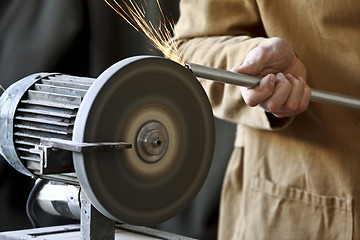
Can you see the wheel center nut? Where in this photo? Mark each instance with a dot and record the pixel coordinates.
(152, 141)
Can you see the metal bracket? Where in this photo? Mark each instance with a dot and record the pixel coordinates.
(83, 147)
(53, 160)
(56, 154)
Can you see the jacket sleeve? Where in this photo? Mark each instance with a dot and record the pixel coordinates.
(220, 33)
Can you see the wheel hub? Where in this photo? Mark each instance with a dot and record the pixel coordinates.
(152, 142)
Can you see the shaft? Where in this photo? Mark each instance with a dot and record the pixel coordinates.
(244, 80)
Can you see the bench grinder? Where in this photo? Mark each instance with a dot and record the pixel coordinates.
(138, 140)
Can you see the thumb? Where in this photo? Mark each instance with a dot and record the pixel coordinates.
(253, 64)
(248, 67)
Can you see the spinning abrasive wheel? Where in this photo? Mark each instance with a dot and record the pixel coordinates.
(162, 110)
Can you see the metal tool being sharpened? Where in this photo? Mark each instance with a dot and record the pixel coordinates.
(251, 81)
(138, 140)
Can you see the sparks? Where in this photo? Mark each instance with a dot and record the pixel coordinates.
(2, 88)
(160, 36)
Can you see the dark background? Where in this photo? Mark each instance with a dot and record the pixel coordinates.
(83, 38)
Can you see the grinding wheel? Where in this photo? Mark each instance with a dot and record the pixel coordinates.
(161, 109)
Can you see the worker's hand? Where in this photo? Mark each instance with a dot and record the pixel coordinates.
(282, 90)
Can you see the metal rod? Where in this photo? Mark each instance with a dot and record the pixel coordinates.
(224, 76)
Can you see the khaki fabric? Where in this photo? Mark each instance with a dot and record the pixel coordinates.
(292, 178)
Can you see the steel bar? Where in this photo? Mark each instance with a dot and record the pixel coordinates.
(244, 80)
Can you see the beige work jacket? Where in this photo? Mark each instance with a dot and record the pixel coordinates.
(292, 178)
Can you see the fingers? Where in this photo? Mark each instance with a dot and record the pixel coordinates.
(259, 94)
(300, 95)
(296, 101)
(275, 103)
(281, 95)
(278, 94)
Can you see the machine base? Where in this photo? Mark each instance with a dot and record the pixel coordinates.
(72, 232)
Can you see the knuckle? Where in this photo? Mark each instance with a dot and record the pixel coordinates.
(284, 83)
(297, 83)
(273, 106)
(281, 115)
(265, 51)
(251, 102)
(302, 107)
(267, 91)
(307, 92)
(292, 106)
(277, 39)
